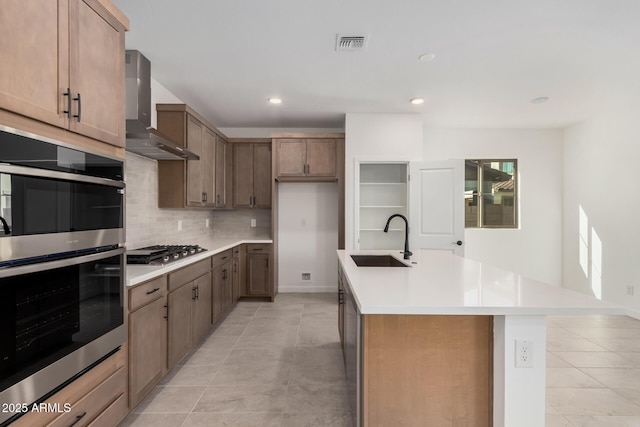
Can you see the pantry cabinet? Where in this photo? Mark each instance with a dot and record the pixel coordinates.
(252, 175)
(69, 73)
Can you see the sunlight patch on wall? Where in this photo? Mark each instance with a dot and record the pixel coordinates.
(596, 264)
(583, 241)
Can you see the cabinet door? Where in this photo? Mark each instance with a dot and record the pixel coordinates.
(147, 349)
(216, 297)
(227, 287)
(242, 175)
(262, 175)
(96, 70)
(235, 280)
(258, 275)
(195, 193)
(221, 176)
(179, 324)
(341, 309)
(291, 154)
(322, 157)
(208, 167)
(35, 71)
(202, 314)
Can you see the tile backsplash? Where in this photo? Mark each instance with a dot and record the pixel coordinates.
(149, 225)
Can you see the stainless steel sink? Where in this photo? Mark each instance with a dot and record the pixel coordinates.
(376, 261)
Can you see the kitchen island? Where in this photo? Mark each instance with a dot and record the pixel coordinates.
(434, 343)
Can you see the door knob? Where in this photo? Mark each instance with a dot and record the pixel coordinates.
(459, 243)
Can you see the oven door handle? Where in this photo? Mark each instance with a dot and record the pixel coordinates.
(66, 176)
(49, 265)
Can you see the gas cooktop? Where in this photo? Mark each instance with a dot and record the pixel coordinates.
(162, 254)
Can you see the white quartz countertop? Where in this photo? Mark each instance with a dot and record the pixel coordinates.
(137, 273)
(443, 283)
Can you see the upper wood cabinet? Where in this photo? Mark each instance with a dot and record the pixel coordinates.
(70, 72)
(315, 158)
(191, 183)
(251, 175)
(221, 174)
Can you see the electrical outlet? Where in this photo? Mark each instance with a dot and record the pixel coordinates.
(253, 222)
(306, 276)
(206, 223)
(630, 290)
(179, 225)
(524, 353)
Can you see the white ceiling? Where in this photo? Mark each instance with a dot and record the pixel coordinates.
(226, 57)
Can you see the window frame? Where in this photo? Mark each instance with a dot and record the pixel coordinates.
(480, 194)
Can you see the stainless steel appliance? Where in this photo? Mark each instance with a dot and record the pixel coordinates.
(161, 254)
(141, 137)
(62, 265)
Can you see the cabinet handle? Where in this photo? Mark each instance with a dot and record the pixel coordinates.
(250, 200)
(166, 313)
(218, 199)
(152, 291)
(224, 274)
(78, 418)
(256, 249)
(197, 293)
(193, 293)
(224, 257)
(68, 95)
(235, 267)
(77, 116)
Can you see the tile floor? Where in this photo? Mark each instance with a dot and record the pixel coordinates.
(266, 364)
(593, 371)
(280, 364)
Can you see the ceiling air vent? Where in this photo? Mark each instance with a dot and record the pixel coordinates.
(351, 43)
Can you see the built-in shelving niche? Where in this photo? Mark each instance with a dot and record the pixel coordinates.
(382, 190)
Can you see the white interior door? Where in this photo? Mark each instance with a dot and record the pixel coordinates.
(436, 194)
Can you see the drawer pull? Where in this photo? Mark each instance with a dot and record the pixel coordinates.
(256, 249)
(78, 418)
(224, 257)
(152, 291)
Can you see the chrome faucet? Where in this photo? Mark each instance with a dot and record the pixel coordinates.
(407, 253)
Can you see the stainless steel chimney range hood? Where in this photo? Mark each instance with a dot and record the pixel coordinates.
(141, 137)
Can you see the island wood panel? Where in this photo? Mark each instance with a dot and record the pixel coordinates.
(427, 370)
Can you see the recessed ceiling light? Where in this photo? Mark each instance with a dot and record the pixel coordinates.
(417, 101)
(427, 57)
(275, 100)
(540, 100)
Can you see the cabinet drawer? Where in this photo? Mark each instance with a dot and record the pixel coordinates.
(95, 402)
(188, 274)
(237, 251)
(258, 248)
(147, 292)
(113, 414)
(218, 259)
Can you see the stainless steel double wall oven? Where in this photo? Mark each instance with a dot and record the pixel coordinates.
(62, 264)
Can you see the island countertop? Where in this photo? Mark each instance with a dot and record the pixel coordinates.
(439, 282)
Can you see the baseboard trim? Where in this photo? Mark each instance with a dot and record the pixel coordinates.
(633, 313)
(284, 289)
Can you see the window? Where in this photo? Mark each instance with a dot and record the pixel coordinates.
(491, 193)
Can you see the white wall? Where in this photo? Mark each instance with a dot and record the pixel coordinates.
(377, 137)
(602, 177)
(535, 249)
(160, 95)
(307, 236)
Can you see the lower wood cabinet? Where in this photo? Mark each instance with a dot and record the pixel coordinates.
(258, 271)
(147, 348)
(201, 313)
(97, 398)
(178, 324)
(237, 271)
